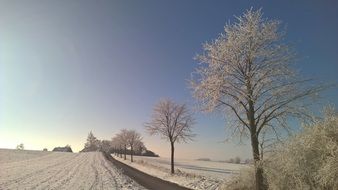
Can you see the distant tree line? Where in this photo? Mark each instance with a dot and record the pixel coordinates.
(66, 148)
(126, 142)
(236, 160)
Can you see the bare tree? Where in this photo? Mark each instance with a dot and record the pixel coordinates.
(246, 73)
(133, 139)
(123, 140)
(172, 122)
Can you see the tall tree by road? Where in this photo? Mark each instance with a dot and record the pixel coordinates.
(247, 74)
(133, 140)
(172, 122)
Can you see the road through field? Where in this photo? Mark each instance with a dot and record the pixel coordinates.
(151, 182)
(62, 171)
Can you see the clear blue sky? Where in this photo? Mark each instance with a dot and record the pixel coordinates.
(68, 67)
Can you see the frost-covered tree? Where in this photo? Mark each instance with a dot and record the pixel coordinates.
(117, 144)
(127, 139)
(20, 146)
(246, 73)
(308, 160)
(172, 122)
(140, 148)
(133, 140)
(106, 146)
(123, 140)
(92, 144)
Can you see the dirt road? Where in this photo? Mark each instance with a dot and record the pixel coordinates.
(144, 179)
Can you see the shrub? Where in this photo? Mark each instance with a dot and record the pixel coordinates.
(237, 160)
(244, 181)
(307, 160)
(20, 146)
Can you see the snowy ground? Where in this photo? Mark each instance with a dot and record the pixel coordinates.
(189, 173)
(56, 170)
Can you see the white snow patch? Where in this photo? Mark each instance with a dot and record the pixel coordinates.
(60, 170)
(193, 174)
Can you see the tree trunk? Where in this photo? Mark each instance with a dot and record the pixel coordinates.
(259, 178)
(172, 157)
(125, 153)
(120, 152)
(131, 153)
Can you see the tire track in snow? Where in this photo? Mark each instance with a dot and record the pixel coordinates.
(103, 162)
(96, 180)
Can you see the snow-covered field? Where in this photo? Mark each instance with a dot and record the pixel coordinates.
(189, 173)
(56, 170)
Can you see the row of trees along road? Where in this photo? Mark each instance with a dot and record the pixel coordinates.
(170, 120)
(127, 139)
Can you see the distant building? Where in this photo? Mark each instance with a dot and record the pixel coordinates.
(62, 149)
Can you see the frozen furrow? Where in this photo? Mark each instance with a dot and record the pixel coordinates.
(63, 171)
(26, 172)
(108, 169)
(96, 172)
(61, 174)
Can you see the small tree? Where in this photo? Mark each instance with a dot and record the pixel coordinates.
(20, 146)
(106, 146)
(133, 139)
(248, 76)
(92, 143)
(140, 148)
(231, 160)
(172, 122)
